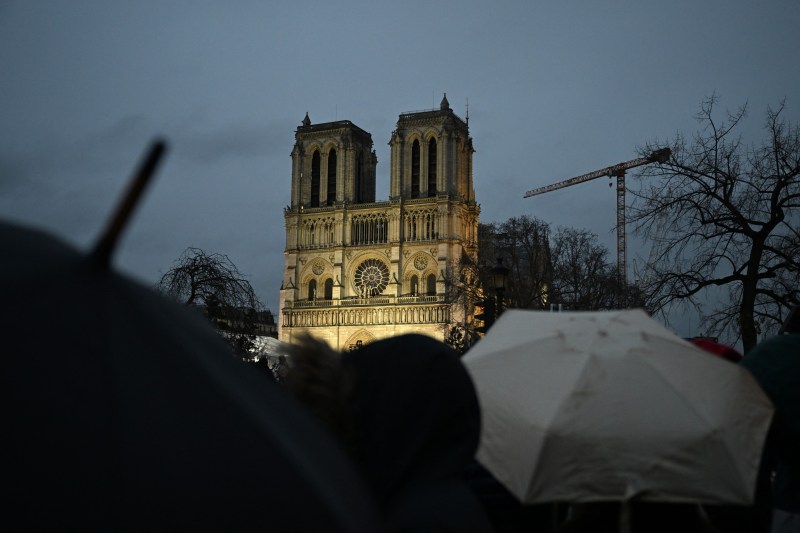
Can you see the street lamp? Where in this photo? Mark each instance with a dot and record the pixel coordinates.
(499, 278)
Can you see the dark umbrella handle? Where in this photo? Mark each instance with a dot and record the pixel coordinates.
(101, 254)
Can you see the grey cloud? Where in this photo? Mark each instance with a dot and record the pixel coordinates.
(236, 141)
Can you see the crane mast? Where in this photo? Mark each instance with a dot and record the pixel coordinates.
(614, 171)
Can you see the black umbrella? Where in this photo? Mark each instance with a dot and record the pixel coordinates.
(129, 412)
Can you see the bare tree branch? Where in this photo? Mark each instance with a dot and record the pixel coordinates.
(720, 213)
(213, 284)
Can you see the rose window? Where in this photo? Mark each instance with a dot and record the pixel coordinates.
(371, 278)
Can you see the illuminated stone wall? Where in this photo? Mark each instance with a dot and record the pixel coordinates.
(357, 270)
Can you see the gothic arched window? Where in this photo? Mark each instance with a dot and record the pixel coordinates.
(329, 289)
(369, 229)
(432, 167)
(414, 285)
(315, 164)
(415, 169)
(431, 282)
(331, 176)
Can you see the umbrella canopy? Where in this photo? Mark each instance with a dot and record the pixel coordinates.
(775, 363)
(128, 412)
(594, 406)
(717, 348)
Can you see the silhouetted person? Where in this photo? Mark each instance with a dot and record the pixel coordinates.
(506, 513)
(594, 517)
(662, 517)
(406, 409)
(775, 363)
(416, 427)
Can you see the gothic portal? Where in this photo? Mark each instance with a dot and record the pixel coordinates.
(358, 270)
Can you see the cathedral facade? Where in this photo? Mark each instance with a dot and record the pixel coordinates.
(357, 269)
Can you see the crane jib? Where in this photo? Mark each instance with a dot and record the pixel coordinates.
(614, 171)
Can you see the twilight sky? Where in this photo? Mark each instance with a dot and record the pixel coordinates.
(555, 89)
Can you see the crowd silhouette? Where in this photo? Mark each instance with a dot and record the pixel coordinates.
(142, 418)
(406, 411)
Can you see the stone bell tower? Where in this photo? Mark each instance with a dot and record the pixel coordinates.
(332, 163)
(431, 155)
(357, 270)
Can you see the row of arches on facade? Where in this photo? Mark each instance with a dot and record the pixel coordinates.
(370, 228)
(416, 286)
(416, 190)
(327, 290)
(355, 317)
(419, 188)
(331, 177)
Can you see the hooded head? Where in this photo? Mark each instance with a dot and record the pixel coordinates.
(415, 412)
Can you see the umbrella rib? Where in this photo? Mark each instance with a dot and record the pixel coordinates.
(698, 414)
(556, 412)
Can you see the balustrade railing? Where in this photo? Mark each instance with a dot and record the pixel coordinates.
(312, 303)
(373, 300)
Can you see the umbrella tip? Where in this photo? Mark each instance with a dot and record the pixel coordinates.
(104, 248)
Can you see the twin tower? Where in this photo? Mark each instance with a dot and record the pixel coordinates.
(357, 270)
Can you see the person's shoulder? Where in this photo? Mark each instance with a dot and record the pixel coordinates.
(787, 343)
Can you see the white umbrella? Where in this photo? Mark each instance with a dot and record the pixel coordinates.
(598, 406)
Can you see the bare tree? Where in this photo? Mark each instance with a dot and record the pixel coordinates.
(723, 214)
(459, 337)
(570, 268)
(464, 288)
(523, 244)
(213, 284)
(583, 278)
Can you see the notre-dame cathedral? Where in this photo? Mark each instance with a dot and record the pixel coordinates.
(357, 269)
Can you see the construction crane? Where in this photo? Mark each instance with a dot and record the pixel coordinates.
(614, 171)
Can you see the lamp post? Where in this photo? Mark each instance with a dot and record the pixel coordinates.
(499, 278)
